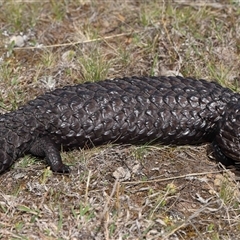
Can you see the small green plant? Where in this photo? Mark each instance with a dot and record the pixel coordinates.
(140, 152)
(10, 48)
(21, 16)
(154, 64)
(210, 227)
(219, 73)
(226, 191)
(58, 9)
(47, 173)
(124, 55)
(94, 66)
(28, 210)
(6, 71)
(112, 228)
(48, 58)
(60, 218)
(84, 211)
(19, 226)
(25, 162)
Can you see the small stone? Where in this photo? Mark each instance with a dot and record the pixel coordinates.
(136, 168)
(217, 182)
(18, 41)
(122, 174)
(168, 72)
(19, 176)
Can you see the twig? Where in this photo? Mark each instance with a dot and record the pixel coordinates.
(78, 42)
(87, 187)
(106, 207)
(176, 177)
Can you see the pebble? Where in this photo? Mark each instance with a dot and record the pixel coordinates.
(122, 174)
(19, 41)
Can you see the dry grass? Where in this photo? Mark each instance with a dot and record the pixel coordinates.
(118, 192)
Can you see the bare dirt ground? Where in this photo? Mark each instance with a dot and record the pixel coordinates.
(118, 192)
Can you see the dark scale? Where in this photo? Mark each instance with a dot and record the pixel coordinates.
(168, 110)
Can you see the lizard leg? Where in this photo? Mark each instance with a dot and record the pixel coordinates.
(220, 156)
(44, 147)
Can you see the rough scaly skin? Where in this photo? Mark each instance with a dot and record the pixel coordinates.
(169, 110)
